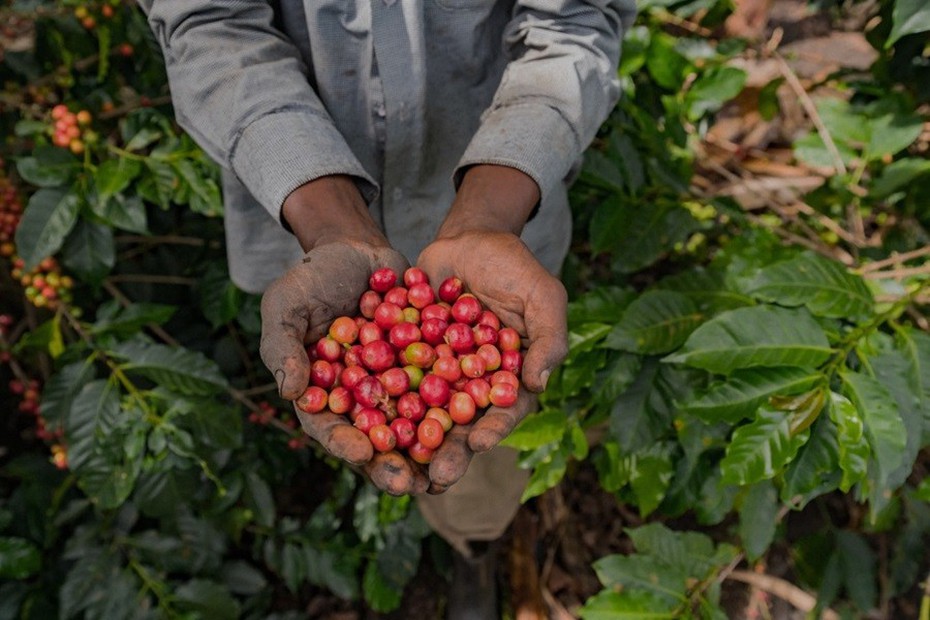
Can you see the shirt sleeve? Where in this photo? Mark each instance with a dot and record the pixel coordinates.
(240, 88)
(559, 86)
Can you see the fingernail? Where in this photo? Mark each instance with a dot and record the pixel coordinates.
(279, 376)
(544, 378)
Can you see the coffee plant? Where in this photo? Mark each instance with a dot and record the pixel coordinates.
(732, 372)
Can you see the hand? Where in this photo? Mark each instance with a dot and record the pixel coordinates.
(344, 246)
(499, 269)
(296, 310)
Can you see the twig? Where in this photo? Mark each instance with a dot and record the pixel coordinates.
(151, 278)
(671, 18)
(125, 301)
(895, 259)
(898, 274)
(784, 590)
(811, 109)
(159, 239)
(129, 107)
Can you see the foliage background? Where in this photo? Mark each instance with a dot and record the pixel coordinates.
(751, 384)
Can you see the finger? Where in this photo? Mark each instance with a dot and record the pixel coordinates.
(497, 422)
(547, 333)
(340, 438)
(284, 325)
(396, 475)
(450, 461)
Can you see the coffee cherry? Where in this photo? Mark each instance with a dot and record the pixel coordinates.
(442, 416)
(411, 406)
(430, 433)
(415, 275)
(382, 280)
(397, 296)
(377, 356)
(451, 289)
(462, 407)
(382, 438)
(420, 453)
(367, 418)
(508, 339)
(387, 315)
(369, 392)
(396, 382)
(460, 337)
(313, 400)
(434, 391)
(420, 295)
(466, 309)
(343, 330)
(340, 400)
(503, 395)
(323, 374)
(368, 303)
(405, 432)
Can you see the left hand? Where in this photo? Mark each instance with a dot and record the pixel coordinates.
(500, 270)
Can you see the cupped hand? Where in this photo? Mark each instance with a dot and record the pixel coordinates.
(500, 270)
(296, 310)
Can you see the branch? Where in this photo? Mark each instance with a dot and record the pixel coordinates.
(785, 590)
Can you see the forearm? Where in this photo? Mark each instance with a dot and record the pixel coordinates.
(330, 209)
(491, 198)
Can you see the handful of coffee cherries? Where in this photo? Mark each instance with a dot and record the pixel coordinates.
(410, 366)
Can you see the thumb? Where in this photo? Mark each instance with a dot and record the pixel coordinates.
(547, 334)
(282, 344)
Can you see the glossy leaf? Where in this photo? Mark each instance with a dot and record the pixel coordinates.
(634, 422)
(650, 476)
(853, 448)
(208, 598)
(19, 558)
(48, 166)
(755, 336)
(757, 523)
(608, 605)
(909, 17)
(657, 322)
(46, 222)
(825, 287)
(90, 251)
(884, 429)
(181, 370)
(537, 429)
(94, 412)
(643, 572)
(741, 394)
(114, 175)
(814, 471)
(761, 449)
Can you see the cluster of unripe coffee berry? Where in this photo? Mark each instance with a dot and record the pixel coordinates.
(11, 210)
(71, 130)
(45, 286)
(410, 366)
(89, 12)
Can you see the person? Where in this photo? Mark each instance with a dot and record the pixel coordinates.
(356, 135)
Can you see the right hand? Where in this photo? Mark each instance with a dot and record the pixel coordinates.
(297, 310)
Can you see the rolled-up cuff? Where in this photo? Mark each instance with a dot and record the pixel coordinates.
(281, 151)
(532, 137)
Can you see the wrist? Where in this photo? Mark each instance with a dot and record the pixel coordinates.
(330, 209)
(491, 198)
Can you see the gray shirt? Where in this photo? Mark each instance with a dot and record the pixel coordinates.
(401, 94)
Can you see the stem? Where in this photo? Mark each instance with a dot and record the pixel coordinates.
(154, 586)
(853, 338)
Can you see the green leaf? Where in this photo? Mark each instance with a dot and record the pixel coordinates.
(220, 299)
(634, 421)
(19, 558)
(755, 336)
(740, 395)
(61, 390)
(159, 493)
(546, 475)
(180, 370)
(47, 167)
(692, 552)
(898, 175)
(90, 251)
(209, 599)
(604, 304)
(107, 482)
(915, 347)
(634, 605)
(666, 65)
(124, 322)
(94, 412)
(909, 17)
(651, 475)
(761, 449)
(585, 337)
(756, 519)
(616, 377)
(712, 89)
(46, 222)
(657, 322)
(259, 499)
(667, 583)
(114, 175)
(851, 442)
(635, 238)
(126, 213)
(537, 430)
(884, 430)
(380, 595)
(923, 490)
(857, 561)
(824, 286)
(814, 471)
(243, 578)
(892, 133)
